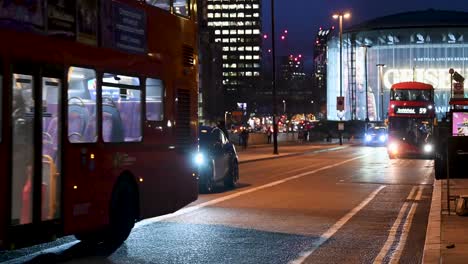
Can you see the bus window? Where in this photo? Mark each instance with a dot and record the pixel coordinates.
(121, 108)
(51, 127)
(154, 100)
(22, 149)
(181, 7)
(163, 4)
(82, 105)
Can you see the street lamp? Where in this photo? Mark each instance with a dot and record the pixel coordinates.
(340, 16)
(381, 66)
(273, 55)
(284, 106)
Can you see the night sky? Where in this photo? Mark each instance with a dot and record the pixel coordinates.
(302, 18)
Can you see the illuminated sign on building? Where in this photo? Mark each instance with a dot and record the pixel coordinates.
(439, 78)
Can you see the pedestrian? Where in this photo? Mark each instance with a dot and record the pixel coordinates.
(306, 134)
(269, 132)
(245, 138)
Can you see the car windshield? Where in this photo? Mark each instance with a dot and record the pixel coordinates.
(380, 130)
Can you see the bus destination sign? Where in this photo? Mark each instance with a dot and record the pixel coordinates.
(405, 110)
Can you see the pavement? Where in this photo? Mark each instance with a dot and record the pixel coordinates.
(447, 232)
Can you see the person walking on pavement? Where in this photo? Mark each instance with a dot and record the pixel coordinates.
(269, 135)
(245, 138)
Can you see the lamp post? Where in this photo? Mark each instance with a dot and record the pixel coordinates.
(340, 16)
(284, 106)
(273, 55)
(381, 66)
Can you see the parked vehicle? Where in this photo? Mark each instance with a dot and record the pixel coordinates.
(217, 160)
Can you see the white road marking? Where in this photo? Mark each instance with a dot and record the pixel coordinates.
(237, 194)
(395, 258)
(332, 230)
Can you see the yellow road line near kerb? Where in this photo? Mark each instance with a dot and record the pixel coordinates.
(191, 209)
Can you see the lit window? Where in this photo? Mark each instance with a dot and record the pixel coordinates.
(255, 6)
(256, 65)
(248, 48)
(225, 15)
(210, 15)
(248, 31)
(210, 7)
(121, 108)
(217, 40)
(154, 100)
(234, 65)
(256, 48)
(248, 74)
(233, 40)
(233, 32)
(256, 73)
(217, 15)
(256, 57)
(240, 49)
(256, 31)
(225, 6)
(82, 121)
(225, 40)
(232, 15)
(225, 32)
(242, 57)
(255, 15)
(181, 7)
(225, 48)
(240, 31)
(248, 57)
(217, 32)
(225, 57)
(240, 6)
(240, 23)
(240, 14)
(233, 48)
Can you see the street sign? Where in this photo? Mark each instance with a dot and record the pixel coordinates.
(340, 103)
(458, 91)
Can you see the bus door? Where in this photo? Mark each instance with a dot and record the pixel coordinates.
(36, 149)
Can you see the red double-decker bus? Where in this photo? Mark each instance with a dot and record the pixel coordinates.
(411, 115)
(98, 116)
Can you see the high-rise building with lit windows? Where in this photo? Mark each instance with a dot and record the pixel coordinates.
(236, 25)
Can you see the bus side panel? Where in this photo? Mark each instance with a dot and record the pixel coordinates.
(4, 159)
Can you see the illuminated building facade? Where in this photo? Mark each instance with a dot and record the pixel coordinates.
(236, 25)
(414, 46)
(320, 72)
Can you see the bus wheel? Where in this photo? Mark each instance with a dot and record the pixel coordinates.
(123, 212)
(233, 176)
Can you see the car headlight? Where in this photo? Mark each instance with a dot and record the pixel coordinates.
(199, 158)
(428, 148)
(393, 148)
(382, 138)
(368, 138)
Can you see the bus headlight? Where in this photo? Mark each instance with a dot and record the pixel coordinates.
(393, 148)
(199, 158)
(428, 148)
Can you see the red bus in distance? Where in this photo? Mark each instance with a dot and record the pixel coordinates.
(99, 117)
(411, 115)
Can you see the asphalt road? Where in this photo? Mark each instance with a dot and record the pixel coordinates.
(346, 206)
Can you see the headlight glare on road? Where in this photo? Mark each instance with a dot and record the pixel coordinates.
(428, 148)
(199, 159)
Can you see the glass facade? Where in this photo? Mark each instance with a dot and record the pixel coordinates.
(423, 55)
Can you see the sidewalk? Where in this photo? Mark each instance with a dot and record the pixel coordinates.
(447, 235)
(286, 149)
